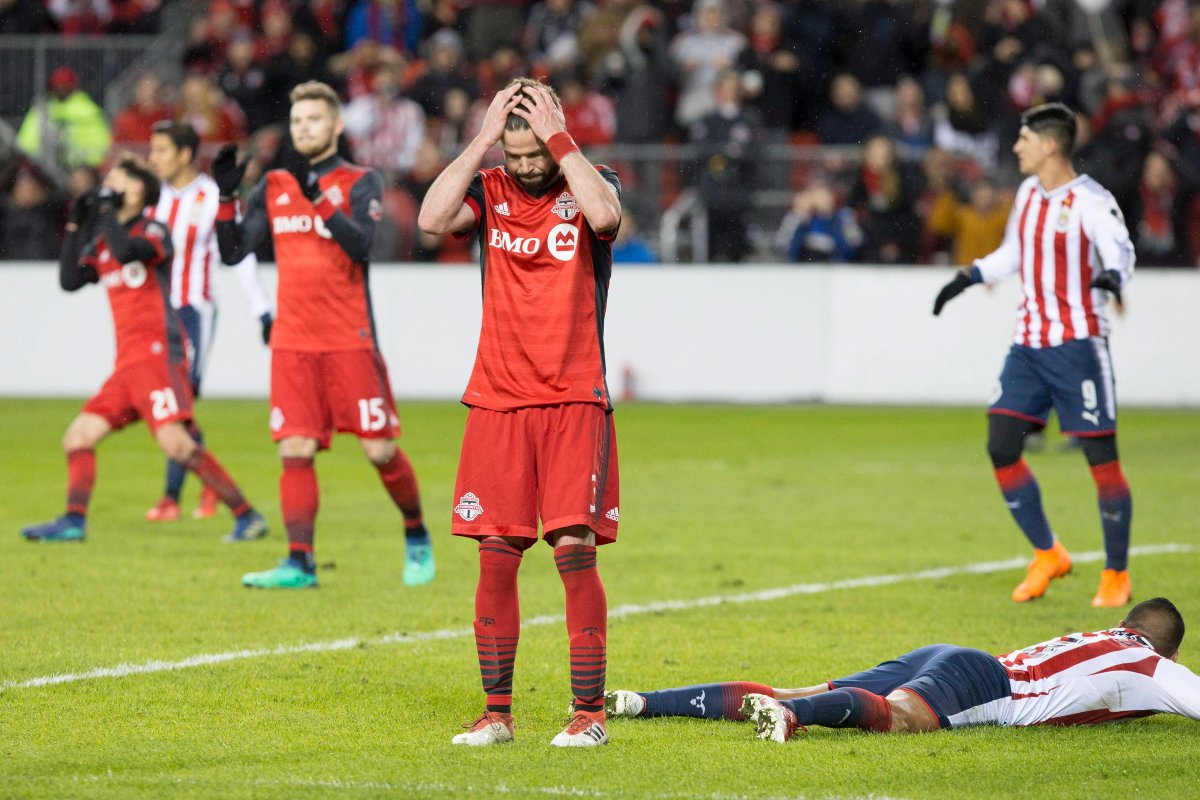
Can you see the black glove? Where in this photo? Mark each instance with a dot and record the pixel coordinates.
(227, 171)
(951, 290)
(108, 200)
(1109, 281)
(83, 207)
(266, 321)
(304, 174)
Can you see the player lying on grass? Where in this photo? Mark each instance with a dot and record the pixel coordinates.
(111, 242)
(1081, 679)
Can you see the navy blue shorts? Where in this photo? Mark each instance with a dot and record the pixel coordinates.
(950, 679)
(199, 324)
(1074, 378)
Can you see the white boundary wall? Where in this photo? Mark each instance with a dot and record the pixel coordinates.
(708, 333)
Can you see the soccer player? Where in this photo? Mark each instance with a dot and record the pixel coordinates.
(1068, 240)
(109, 241)
(327, 373)
(539, 438)
(1080, 679)
(187, 206)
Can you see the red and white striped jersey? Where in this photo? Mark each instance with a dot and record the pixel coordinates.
(1059, 241)
(190, 214)
(1089, 678)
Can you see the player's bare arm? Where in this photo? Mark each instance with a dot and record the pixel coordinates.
(443, 210)
(595, 196)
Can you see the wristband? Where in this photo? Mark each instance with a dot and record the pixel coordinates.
(561, 145)
(227, 211)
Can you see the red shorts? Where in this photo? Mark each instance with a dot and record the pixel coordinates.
(314, 394)
(558, 463)
(152, 389)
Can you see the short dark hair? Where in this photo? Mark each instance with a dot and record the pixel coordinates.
(134, 167)
(518, 123)
(1160, 621)
(181, 134)
(1054, 120)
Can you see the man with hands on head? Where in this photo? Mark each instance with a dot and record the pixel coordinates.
(539, 441)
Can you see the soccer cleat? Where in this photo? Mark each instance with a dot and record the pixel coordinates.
(67, 528)
(492, 727)
(584, 730)
(1045, 567)
(207, 505)
(247, 527)
(165, 510)
(288, 575)
(418, 564)
(772, 719)
(1114, 589)
(623, 703)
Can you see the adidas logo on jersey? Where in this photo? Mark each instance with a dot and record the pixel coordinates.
(501, 209)
(283, 199)
(613, 514)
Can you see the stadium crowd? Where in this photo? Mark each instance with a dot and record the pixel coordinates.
(914, 106)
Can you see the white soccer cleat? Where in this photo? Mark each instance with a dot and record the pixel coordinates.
(623, 703)
(583, 730)
(772, 720)
(490, 728)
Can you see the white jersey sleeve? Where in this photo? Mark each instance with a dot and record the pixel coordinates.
(256, 293)
(1178, 690)
(1104, 225)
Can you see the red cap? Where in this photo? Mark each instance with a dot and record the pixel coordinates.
(63, 78)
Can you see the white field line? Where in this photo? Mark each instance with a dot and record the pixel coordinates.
(620, 612)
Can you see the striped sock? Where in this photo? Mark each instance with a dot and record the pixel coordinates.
(497, 620)
(209, 470)
(844, 708)
(587, 624)
(81, 477)
(299, 500)
(1116, 513)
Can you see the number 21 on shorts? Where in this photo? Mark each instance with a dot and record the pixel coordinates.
(371, 414)
(163, 403)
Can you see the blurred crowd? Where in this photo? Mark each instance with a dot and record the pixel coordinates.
(911, 107)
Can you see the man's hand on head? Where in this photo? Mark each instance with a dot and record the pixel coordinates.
(545, 117)
(503, 104)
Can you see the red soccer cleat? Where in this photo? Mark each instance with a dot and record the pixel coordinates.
(207, 506)
(166, 510)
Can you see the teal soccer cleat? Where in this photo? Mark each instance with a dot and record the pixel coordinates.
(288, 575)
(67, 528)
(418, 564)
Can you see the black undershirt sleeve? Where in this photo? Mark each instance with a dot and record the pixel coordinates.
(125, 248)
(355, 233)
(236, 240)
(73, 274)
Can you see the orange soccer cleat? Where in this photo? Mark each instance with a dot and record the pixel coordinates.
(165, 510)
(1045, 567)
(1114, 589)
(207, 506)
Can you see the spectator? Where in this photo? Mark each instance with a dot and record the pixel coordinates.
(884, 195)
(817, 230)
(773, 71)
(75, 131)
(214, 117)
(137, 119)
(135, 16)
(245, 81)
(353, 68)
(638, 73)
(447, 70)
(491, 24)
(551, 31)
(77, 17)
(80, 181)
(302, 63)
(725, 176)
(701, 55)
(630, 247)
(600, 33)
(385, 128)
(912, 125)
(23, 16)
(590, 116)
(975, 228)
(961, 127)
(30, 219)
(276, 30)
(394, 23)
(810, 26)
(883, 40)
(1158, 215)
(847, 120)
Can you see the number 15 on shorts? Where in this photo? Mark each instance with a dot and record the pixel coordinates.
(372, 415)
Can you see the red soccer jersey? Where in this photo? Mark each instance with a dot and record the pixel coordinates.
(323, 301)
(545, 287)
(139, 292)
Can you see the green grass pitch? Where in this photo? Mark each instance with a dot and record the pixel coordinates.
(715, 501)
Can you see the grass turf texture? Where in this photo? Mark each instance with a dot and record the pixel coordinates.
(715, 500)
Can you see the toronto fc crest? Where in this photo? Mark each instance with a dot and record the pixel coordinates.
(565, 206)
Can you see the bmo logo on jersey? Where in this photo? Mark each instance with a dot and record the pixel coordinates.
(300, 223)
(563, 241)
(132, 275)
(514, 244)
